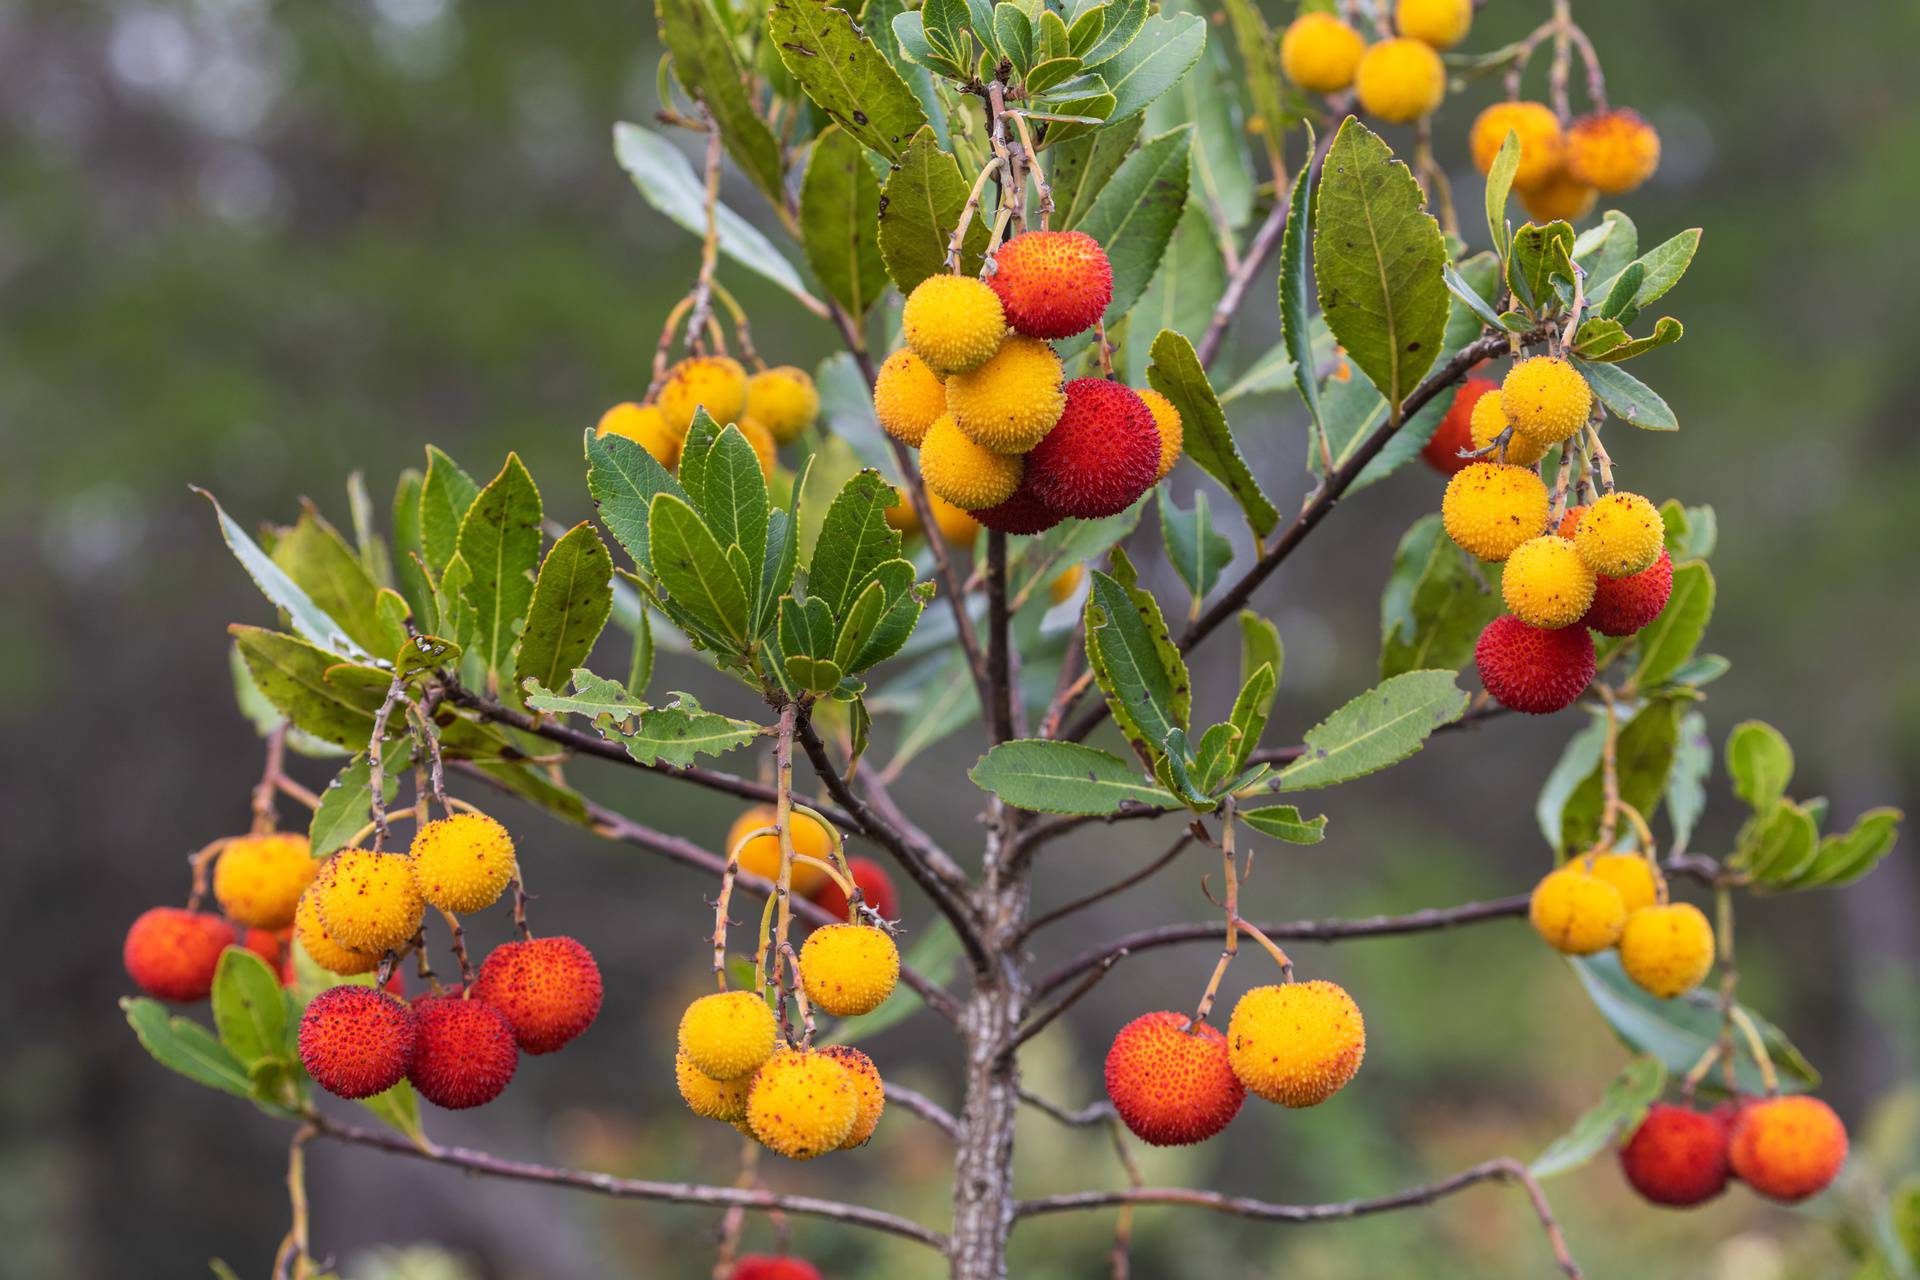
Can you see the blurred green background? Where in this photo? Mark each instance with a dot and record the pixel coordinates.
(255, 246)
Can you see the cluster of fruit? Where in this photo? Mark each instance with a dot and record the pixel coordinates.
(1174, 1080)
(1786, 1149)
(1604, 567)
(1564, 170)
(1602, 900)
(1397, 78)
(760, 855)
(980, 391)
(771, 408)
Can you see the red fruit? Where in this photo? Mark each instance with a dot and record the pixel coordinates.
(1102, 454)
(463, 1054)
(356, 1041)
(272, 946)
(1052, 284)
(1528, 669)
(1621, 606)
(1455, 432)
(549, 988)
(171, 953)
(1171, 1086)
(1023, 513)
(1788, 1148)
(1677, 1157)
(875, 886)
(760, 1266)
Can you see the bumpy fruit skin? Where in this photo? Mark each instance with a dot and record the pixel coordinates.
(1537, 128)
(1400, 80)
(1545, 399)
(1170, 1086)
(715, 383)
(1667, 949)
(1634, 877)
(356, 1041)
(549, 988)
(784, 400)
(1052, 284)
(728, 1035)
(1297, 1044)
(1440, 23)
(907, 397)
(849, 969)
(1319, 52)
(760, 1266)
(1531, 670)
(462, 863)
(1173, 432)
(647, 427)
(171, 953)
(259, 879)
(1489, 420)
(1009, 403)
(760, 856)
(710, 1099)
(1790, 1148)
(876, 891)
(1102, 454)
(802, 1104)
(1622, 606)
(1546, 584)
(1490, 509)
(1620, 535)
(322, 948)
(1576, 911)
(964, 473)
(1559, 197)
(367, 900)
(1023, 513)
(954, 323)
(1455, 432)
(869, 1091)
(463, 1054)
(1613, 151)
(1677, 1157)
(765, 451)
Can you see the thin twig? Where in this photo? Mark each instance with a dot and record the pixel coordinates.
(1045, 1018)
(924, 1107)
(1100, 895)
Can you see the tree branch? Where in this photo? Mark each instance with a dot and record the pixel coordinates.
(924, 1107)
(1100, 895)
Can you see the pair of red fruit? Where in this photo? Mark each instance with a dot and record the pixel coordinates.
(1786, 1149)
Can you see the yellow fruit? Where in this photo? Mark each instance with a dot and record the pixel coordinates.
(1558, 198)
(903, 517)
(727, 1035)
(1061, 589)
(1400, 80)
(1614, 151)
(849, 969)
(1319, 52)
(802, 1104)
(1620, 534)
(1576, 911)
(907, 397)
(784, 400)
(646, 426)
(957, 526)
(1296, 1044)
(1441, 23)
(1490, 509)
(954, 323)
(320, 945)
(760, 856)
(868, 1089)
(1545, 399)
(462, 863)
(1486, 424)
(962, 472)
(762, 441)
(706, 1097)
(1537, 128)
(1166, 420)
(715, 383)
(1630, 873)
(367, 900)
(1009, 403)
(1546, 583)
(1668, 949)
(259, 879)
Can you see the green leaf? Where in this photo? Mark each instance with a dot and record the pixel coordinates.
(185, 1046)
(1183, 291)
(1578, 760)
(839, 206)
(1377, 257)
(321, 695)
(1760, 764)
(1670, 639)
(445, 495)
(1381, 727)
(249, 1008)
(1605, 249)
(451, 603)
(733, 498)
(344, 806)
(1296, 324)
(1134, 659)
(806, 628)
(1259, 647)
(1198, 551)
(1046, 776)
(1506, 162)
(1540, 256)
(1014, 34)
(1778, 847)
(1666, 331)
(1124, 19)
(1436, 603)
(500, 541)
(1687, 779)
(1843, 859)
(1628, 398)
(1473, 310)
(307, 618)
(1176, 374)
(1258, 69)
(854, 541)
(1620, 1110)
(925, 195)
(594, 697)
(1283, 822)
(693, 567)
(320, 563)
(708, 68)
(1251, 707)
(1077, 170)
(1165, 50)
(1691, 531)
(845, 74)
(674, 734)
(398, 1108)
(1660, 269)
(408, 553)
(571, 600)
(624, 479)
(1134, 215)
(1643, 759)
